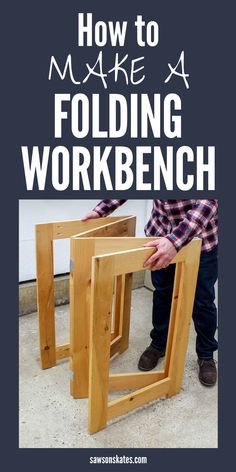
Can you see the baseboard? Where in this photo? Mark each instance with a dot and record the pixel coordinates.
(28, 295)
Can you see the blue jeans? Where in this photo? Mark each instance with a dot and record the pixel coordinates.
(204, 312)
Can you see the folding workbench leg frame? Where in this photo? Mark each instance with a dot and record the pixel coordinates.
(166, 383)
(45, 234)
(82, 251)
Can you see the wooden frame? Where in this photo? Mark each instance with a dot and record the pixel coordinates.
(150, 385)
(45, 235)
(82, 252)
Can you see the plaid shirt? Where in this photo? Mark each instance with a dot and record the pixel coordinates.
(177, 220)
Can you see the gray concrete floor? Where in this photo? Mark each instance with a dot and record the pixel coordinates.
(51, 418)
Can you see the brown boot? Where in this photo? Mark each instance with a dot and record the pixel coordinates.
(207, 372)
(150, 358)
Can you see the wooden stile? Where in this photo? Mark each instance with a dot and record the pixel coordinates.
(45, 294)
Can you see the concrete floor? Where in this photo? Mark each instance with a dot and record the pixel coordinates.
(50, 418)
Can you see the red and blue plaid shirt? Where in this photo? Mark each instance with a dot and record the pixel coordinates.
(178, 220)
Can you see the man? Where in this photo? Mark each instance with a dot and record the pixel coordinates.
(176, 222)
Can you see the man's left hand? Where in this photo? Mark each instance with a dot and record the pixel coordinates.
(165, 252)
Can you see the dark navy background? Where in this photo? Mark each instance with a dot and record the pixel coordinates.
(30, 32)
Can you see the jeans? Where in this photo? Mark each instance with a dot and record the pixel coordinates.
(204, 311)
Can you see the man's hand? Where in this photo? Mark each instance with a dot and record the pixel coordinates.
(90, 215)
(165, 252)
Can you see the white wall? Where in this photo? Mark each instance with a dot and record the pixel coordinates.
(32, 212)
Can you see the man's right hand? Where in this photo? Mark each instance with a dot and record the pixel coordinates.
(90, 215)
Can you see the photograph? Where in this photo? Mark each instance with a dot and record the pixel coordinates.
(118, 323)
